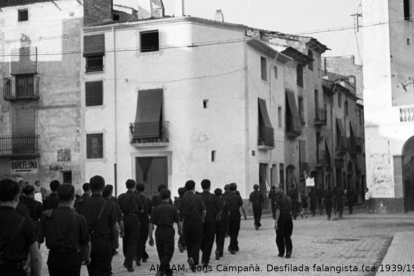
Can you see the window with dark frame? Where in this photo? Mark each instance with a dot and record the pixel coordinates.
(115, 17)
(67, 177)
(263, 68)
(94, 63)
(94, 93)
(301, 110)
(279, 117)
(213, 156)
(23, 15)
(150, 41)
(275, 72)
(299, 75)
(310, 55)
(346, 108)
(407, 10)
(205, 103)
(94, 146)
(24, 85)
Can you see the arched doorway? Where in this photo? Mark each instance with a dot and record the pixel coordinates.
(408, 174)
(290, 177)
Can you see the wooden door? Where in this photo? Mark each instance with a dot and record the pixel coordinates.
(151, 171)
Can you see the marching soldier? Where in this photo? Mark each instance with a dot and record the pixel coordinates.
(283, 223)
(164, 216)
(256, 200)
(213, 209)
(156, 200)
(144, 221)
(86, 187)
(101, 220)
(34, 207)
(177, 204)
(221, 224)
(350, 200)
(320, 195)
(272, 197)
(340, 201)
(194, 211)
(327, 202)
(65, 232)
(294, 196)
(51, 201)
(234, 202)
(131, 206)
(19, 253)
(313, 200)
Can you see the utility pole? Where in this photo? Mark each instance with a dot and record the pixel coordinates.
(358, 15)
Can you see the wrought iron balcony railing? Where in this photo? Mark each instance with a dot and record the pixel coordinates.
(24, 145)
(94, 64)
(160, 139)
(21, 88)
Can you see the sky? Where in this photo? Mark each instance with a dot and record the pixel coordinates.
(288, 16)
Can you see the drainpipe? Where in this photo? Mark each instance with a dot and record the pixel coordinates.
(246, 117)
(115, 113)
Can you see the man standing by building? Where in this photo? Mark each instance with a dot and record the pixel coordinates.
(164, 216)
(294, 197)
(327, 201)
(52, 202)
(131, 206)
(272, 197)
(144, 224)
(320, 195)
(213, 208)
(101, 220)
(234, 202)
(65, 233)
(34, 207)
(221, 224)
(86, 193)
(256, 200)
(193, 211)
(313, 200)
(18, 240)
(340, 201)
(350, 200)
(283, 224)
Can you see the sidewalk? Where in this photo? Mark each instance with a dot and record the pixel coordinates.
(400, 256)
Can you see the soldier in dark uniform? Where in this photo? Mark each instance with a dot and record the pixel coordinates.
(177, 203)
(101, 220)
(19, 251)
(294, 196)
(327, 202)
(131, 206)
(313, 200)
(234, 202)
(350, 199)
(213, 208)
(86, 193)
(320, 195)
(65, 232)
(340, 201)
(51, 201)
(144, 222)
(283, 224)
(193, 210)
(256, 199)
(221, 224)
(34, 207)
(334, 200)
(156, 200)
(272, 197)
(164, 216)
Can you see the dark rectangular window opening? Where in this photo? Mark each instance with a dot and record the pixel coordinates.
(94, 146)
(205, 103)
(94, 93)
(150, 41)
(407, 10)
(94, 63)
(213, 156)
(263, 68)
(408, 41)
(23, 15)
(301, 110)
(115, 17)
(279, 116)
(275, 72)
(253, 153)
(24, 85)
(67, 177)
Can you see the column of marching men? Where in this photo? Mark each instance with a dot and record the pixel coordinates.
(85, 230)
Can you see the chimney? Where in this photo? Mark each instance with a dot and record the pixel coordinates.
(179, 8)
(97, 11)
(219, 16)
(157, 8)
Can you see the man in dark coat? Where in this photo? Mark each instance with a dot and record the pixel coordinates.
(313, 200)
(221, 224)
(51, 201)
(319, 195)
(86, 187)
(327, 202)
(256, 200)
(283, 224)
(350, 199)
(340, 201)
(272, 197)
(294, 196)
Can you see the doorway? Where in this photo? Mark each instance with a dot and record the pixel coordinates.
(263, 181)
(408, 174)
(151, 171)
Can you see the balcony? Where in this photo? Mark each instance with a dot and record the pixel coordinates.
(160, 140)
(320, 117)
(21, 88)
(355, 145)
(323, 159)
(342, 145)
(265, 140)
(94, 64)
(19, 146)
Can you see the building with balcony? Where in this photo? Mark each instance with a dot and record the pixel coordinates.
(176, 106)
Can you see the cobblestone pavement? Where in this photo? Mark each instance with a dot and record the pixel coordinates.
(359, 241)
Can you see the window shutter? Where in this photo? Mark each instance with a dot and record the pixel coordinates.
(94, 93)
(149, 112)
(94, 45)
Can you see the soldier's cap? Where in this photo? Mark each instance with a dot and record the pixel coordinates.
(279, 191)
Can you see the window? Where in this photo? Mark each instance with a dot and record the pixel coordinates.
(149, 115)
(94, 63)
(23, 15)
(263, 68)
(339, 100)
(279, 116)
(150, 41)
(94, 93)
(94, 146)
(275, 72)
(93, 51)
(213, 156)
(205, 103)
(352, 80)
(310, 55)
(24, 85)
(67, 177)
(115, 17)
(407, 10)
(299, 75)
(408, 41)
(346, 108)
(301, 110)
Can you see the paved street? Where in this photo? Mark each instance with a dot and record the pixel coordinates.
(357, 240)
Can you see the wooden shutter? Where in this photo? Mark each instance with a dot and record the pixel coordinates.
(148, 116)
(94, 45)
(94, 93)
(24, 122)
